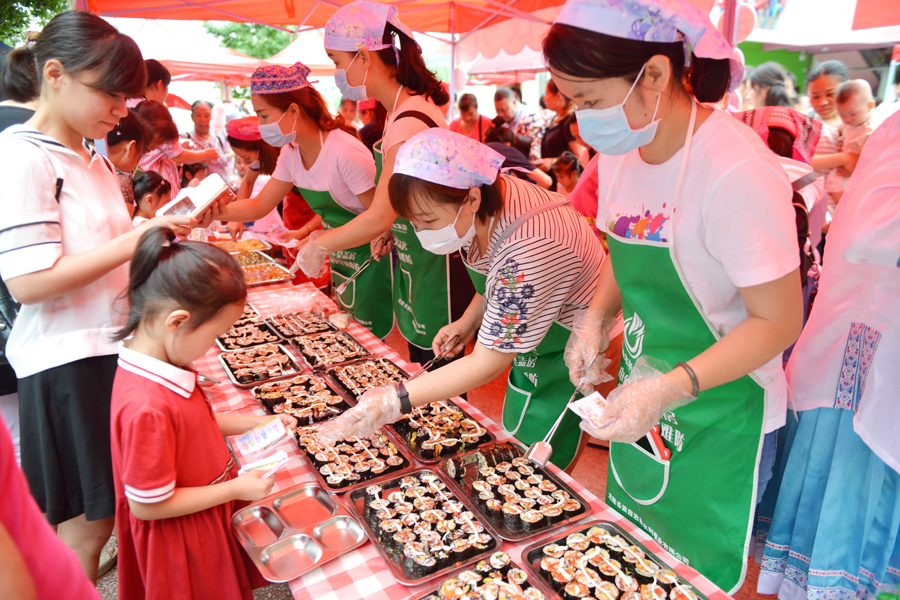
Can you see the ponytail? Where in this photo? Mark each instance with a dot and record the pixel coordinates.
(149, 182)
(408, 66)
(588, 54)
(18, 76)
(773, 76)
(193, 276)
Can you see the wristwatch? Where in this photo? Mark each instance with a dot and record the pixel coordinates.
(405, 406)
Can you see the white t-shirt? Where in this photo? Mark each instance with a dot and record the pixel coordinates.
(350, 169)
(734, 224)
(410, 126)
(37, 230)
(542, 273)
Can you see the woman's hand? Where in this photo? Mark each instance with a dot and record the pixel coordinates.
(375, 409)
(236, 229)
(590, 337)
(382, 245)
(638, 404)
(459, 328)
(312, 258)
(209, 154)
(251, 486)
(298, 234)
(180, 225)
(544, 164)
(289, 422)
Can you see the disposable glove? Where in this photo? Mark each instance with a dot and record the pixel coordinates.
(590, 337)
(638, 404)
(376, 408)
(311, 258)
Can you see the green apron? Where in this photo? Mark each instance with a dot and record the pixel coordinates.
(538, 387)
(421, 282)
(368, 296)
(699, 504)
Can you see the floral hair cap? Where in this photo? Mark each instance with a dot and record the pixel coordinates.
(245, 128)
(446, 158)
(275, 79)
(655, 21)
(361, 24)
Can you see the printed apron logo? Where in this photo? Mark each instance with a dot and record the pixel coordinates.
(632, 344)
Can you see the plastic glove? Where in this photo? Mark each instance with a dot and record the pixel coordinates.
(376, 408)
(638, 404)
(590, 337)
(312, 257)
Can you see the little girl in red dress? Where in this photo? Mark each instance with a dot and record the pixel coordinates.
(175, 480)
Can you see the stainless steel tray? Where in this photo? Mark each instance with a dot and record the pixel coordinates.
(338, 384)
(297, 369)
(400, 471)
(268, 406)
(234, 248)
(263, 258)
(255, 314)
(285, 275)
(486, 438)
(532, 581)
(295, 342)
(328, 326)
(464, 488)
(532, 555)
(356, 500)
(295, 531)
(262, 325)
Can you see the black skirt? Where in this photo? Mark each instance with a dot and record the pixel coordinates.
(64, 415)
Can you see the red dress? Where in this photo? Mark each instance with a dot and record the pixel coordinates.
(165, 436)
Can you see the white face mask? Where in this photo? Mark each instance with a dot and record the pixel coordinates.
(352, 92)
(607, 130)
(445, 240)
(271, 133)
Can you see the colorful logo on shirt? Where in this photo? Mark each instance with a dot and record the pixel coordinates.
(644, 226)
(632, 343)
(511, 295)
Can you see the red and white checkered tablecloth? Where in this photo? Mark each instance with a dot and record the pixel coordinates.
(362, 573)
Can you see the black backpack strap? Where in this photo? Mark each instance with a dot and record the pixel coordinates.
(804, 181)
(417, 114)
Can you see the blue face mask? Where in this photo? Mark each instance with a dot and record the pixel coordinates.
(352, 92)
(271, 133)
(607, 130)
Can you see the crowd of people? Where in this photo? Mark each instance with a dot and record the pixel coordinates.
(676, 231)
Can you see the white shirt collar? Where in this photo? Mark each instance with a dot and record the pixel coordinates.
(179, 380)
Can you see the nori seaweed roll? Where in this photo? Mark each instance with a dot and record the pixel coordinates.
(575, 591)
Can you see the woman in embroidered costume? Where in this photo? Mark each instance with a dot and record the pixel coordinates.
(835, 531)
(534, 262)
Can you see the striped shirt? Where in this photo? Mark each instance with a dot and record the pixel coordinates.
(160, 160)
(542, 273)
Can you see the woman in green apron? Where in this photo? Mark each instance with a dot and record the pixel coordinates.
(334, 172)
(376, 56)
(703, 265)
(534, 262)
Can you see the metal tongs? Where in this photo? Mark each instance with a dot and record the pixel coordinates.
(343, 287)
(540, 452)
(206, 380)
(448, 346)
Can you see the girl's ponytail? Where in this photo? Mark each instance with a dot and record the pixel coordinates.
(18, 76)
(411, 72)
(196, 277)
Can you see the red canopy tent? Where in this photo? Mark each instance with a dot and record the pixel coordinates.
(876, 13)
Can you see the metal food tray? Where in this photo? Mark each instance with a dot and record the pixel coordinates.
(355, 501)
(267, 246)
(295, 531)
(254, 309)
(469, 459)
(535, 582)
(364, 354)
(402, 471)
(338, 385)
(286, 275)
(532, 555)
(287, 336)
(266, 259)
(258, 323)
(246, 386)
(327, 383)
(487, 438)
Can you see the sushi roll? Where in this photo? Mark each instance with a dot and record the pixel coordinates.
(517, 577)
(483, 567)
(609, 568)
(470, 578)
(571, 508)
(561, 577)
(682, 592)
(425, 564)
(645, 571)
(598, 556)
(547, 565)
(578, 541)
(606, 591)
(443, 559)
(652, 591)
(493, 508)
(452, 589)
(666, 577)
(533, 593)
(575, 591)
(626, 583)
(512, 514)
(554, 550)
(587, 576)
(532, 520)
(500, 562)
(460, 550)
(632, 554)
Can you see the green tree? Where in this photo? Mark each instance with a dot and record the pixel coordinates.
(16, 17)
(254, 40)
